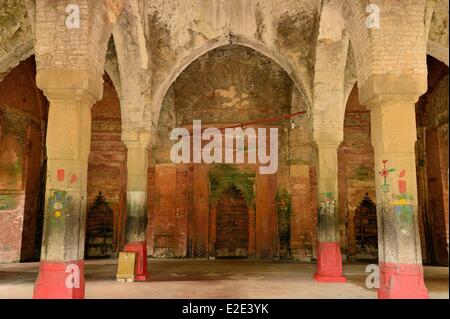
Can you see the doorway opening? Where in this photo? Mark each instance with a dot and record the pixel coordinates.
(232, 230)
(366, 230)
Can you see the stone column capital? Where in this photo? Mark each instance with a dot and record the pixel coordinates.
(328, 137)
(329, 143)
(136, 138)
(382, 89)
(70, 85)
(328, 129)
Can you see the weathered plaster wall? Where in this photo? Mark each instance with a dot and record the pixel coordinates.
(229, 85)
(439, 23)
(180, 31)
(16, 35)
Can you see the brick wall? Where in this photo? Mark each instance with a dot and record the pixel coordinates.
(107, 161)
(432, 165)
(356, 173)
(303, 213)
(23, 110)
(163, 220)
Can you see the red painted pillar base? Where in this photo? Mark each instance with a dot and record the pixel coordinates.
(329, 263)
(60, 280)
(140, 248)
(401, 281)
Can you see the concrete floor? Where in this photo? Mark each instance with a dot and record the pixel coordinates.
(214, 279)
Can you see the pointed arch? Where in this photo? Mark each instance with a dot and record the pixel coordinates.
(215, 43)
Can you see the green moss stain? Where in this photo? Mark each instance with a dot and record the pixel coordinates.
(223, 176)
(10, 175)
(283, 199)
(363, 173)
(8, 202)
(12, 168)
(11, 11)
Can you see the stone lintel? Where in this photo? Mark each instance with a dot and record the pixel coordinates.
(136, 138)
(392, 88)
(328, 143)
(70, 85)
(328, 130)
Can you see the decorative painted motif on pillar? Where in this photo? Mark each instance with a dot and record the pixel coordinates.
(327, 204)
(58, 203)
(61, 177)
(402, 206)
(385, 172)
(401, 203)
(403, 197)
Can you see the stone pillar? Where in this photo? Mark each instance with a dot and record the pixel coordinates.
(329, 259)
(71, 95)
(393, 137)
(135, 228)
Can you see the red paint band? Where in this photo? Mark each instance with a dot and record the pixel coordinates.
(51, 282)
(329, 263)
(401, 281)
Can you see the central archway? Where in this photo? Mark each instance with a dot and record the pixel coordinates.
(221, 41)
(224, 87)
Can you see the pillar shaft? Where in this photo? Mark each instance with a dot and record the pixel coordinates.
(327, 188)
(137, 216)
(393, 138)
(329, 259)
(68, 145)
(137, 166)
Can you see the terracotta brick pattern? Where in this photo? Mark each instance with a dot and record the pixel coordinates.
(356, 175)
(23, 110)
(432, 165)
(107, 160)
(302, 213)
